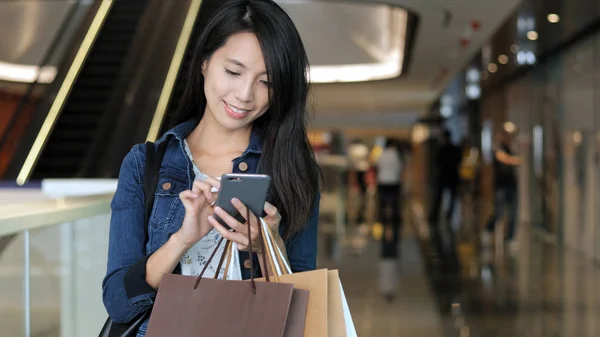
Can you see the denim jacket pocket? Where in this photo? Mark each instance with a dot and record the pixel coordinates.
(166, 201)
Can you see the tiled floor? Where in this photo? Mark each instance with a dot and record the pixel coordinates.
(541, 291)
(412, 313)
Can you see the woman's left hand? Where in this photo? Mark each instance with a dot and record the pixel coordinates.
(240, 233)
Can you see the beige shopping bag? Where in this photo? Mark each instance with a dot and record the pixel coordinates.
(328, 312)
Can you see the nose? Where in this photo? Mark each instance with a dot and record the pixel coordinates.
(245, 91)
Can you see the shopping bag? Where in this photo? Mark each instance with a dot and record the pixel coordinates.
(340, 323)
(313, 318)
(328, 311)
(188, 306)
(296, 320)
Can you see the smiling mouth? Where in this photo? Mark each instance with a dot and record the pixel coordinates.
(237, 110)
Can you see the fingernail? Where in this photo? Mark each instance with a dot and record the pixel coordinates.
(235, 200)
(210, 217)
(218, 209)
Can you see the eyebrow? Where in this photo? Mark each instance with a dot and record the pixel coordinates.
(238, 63)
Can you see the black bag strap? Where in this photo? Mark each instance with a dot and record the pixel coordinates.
(154, 158)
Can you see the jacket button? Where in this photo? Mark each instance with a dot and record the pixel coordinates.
(166, 186)
(243, 166)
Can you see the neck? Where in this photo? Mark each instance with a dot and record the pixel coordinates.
(211, 137)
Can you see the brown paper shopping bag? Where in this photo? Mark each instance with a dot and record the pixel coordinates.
(187, 306)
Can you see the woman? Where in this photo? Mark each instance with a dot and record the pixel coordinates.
(243, 111)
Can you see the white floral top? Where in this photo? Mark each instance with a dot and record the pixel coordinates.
(196, 257)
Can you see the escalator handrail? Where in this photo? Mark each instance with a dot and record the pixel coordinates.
(25, 99)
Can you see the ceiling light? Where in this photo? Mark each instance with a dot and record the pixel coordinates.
(577, 137)
(26, 73)
(503, 59)
(514, 48)
(530, 57)
(446, 111)
(447, 100)
(473, 75)
(390, 68)
(492, 68)
(522, 57)
(532, 35)
(420, 133)
(553, 18)
(473, 91)
(388, 64)
(510, 127)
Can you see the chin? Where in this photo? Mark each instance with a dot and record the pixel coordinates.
(233, 124)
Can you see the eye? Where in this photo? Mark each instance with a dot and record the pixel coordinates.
(266, 83)
(232, 73)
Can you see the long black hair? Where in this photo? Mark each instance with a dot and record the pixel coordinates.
(286, 153)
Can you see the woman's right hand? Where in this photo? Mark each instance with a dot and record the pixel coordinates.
(198, 203)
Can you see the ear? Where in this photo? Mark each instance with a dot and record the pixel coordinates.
(204, 66)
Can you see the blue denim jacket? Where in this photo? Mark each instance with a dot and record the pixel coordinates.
(125, 292)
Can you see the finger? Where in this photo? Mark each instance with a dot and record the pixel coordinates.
(240, 238)
(271, 210)
(230, 221)
(188, 195)
(204, 188)
(213, 182)
(239, 205)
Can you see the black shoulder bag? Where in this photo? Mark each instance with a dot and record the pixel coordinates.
(153, 161)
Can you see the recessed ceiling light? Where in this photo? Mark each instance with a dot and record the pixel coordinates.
(532, 35)
(492, 68)
(553, 18)
(503, 59)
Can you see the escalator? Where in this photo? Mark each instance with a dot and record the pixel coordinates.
(83, 111)
(114, 96)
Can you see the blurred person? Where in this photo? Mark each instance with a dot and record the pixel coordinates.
(389, 189)
(359, 164)
(505, 190)
(243, 110)
(468, 172)
(448, 161)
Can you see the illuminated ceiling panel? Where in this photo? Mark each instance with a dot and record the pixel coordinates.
(350, 42)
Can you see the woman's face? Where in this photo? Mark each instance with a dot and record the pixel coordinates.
(235, 82)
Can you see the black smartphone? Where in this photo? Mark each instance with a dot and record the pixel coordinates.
(250, 189)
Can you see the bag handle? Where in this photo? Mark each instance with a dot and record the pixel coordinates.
(225, 251)
(282, 267)
(214, 252)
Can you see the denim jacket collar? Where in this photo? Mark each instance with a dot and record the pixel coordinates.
(181, 131)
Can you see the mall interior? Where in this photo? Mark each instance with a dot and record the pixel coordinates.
(465, 244)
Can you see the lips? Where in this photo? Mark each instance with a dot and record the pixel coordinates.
(235, 112)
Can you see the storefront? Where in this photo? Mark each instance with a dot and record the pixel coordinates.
(556, 110)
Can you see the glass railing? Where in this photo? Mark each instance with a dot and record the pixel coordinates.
(52, 260)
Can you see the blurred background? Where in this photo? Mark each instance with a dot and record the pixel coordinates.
(441, 127)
